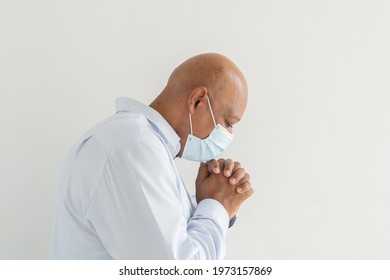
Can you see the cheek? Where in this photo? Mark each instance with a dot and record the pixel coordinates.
(204, 129)
(221, 122)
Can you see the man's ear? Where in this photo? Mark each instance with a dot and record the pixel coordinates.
(197, 98)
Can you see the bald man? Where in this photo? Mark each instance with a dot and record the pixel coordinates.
(120, 194)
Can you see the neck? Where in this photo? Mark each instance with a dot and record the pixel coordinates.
(173, 117)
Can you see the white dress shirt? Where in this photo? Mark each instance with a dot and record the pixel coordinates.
(121, 196)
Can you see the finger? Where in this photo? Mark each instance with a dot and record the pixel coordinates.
(237, 165)
(213, 166)
(221, 163)
(229, 165)
(242, 186)
(249, 190)
(203, 172)
(244, 179)
(237, 176)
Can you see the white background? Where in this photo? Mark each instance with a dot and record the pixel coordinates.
(315, 137)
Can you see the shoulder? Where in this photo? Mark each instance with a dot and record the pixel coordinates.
(128, 131)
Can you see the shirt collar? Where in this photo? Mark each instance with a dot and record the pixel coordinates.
(159, 124)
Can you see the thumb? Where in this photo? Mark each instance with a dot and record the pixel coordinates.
(203, 172)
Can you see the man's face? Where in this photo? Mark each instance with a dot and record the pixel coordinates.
(227, 106)
(227, 113)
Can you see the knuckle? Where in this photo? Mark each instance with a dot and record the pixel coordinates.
(240, 173)
(241, 180)
(244, 188)
(248, 192)
(247, 185)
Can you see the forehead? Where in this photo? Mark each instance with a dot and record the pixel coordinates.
(238, 100)
(233, 95)
(232, 106)
(236, 111)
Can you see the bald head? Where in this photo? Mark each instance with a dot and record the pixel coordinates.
(212, 71)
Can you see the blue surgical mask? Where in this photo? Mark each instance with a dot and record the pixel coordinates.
(213, 146)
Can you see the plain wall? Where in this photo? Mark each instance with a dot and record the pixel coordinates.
(315, 136)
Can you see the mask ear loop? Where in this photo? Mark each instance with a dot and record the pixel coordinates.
(211, 111)
(190, 122)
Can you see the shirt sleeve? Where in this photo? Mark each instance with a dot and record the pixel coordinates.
(136, 210)
(231, 221)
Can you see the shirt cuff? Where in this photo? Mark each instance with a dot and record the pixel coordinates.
(212, 209)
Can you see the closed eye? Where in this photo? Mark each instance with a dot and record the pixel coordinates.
(228, 124)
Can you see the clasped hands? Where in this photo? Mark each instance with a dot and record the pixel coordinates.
(225, 181)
